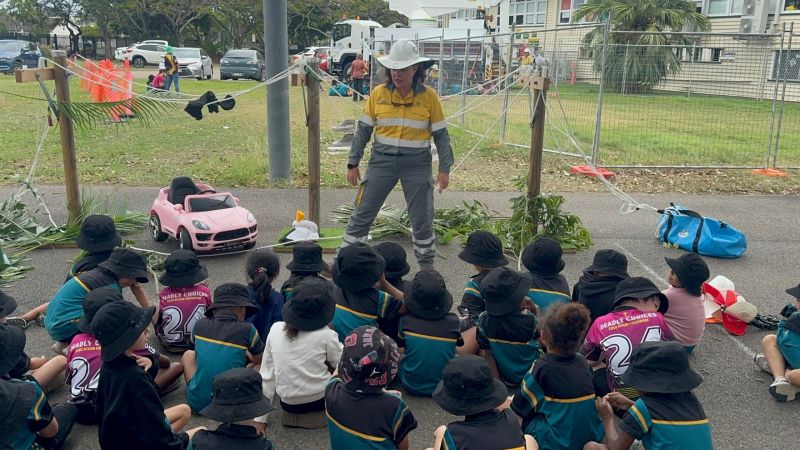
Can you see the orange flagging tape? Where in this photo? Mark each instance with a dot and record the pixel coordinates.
(770, 172)
(591, 171)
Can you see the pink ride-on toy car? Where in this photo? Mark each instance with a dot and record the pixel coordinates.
(200, 218)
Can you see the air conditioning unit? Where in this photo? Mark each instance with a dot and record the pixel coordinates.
(754, 16)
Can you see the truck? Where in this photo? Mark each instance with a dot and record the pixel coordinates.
(350, 37)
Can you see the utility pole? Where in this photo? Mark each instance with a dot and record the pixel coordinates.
(312, 122)
(276, 52)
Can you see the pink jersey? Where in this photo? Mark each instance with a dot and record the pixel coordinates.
(617, 334)
(83, 365)
(180, 308)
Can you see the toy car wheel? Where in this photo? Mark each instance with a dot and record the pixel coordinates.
(155, 229)
(185, 240)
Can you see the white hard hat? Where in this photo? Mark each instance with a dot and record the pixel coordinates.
(404, 53)
(527, 50)
(435, 67)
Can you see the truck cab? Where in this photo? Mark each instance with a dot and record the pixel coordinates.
(350, 37)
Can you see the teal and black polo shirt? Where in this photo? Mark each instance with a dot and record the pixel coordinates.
(429, 345)
(512, 340)
(66, 307)
(367, 307)
(39, 416)
(668, 421)
(472, 300)
(489, 429)
(221, 343)
(359, 421)
(548, 290)
(556, 402)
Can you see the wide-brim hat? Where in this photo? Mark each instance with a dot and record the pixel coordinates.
(312, 306)
(183, 269)
(7, 304)
(357, 267)
(543, 257)
(395, 257)
(503, 290)
(98, 234)
(639, 288)
(794, 291)
(307, 257)
(691, 270)
(611, 262)
(468, 387)
(16, 400)
(403, 53)
(168, 49)
(369, 360)
(229, 295)
(118, 325)
(12, 344)
(237, 396)
(483, 249)
(126, 263)
(92, 303)
(661, 368)
(427, 297)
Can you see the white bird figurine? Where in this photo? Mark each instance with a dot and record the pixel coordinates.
(303, 229)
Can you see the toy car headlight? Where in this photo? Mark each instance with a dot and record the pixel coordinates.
(200, 225)
(250, 217)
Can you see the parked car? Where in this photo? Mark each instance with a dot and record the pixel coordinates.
(141, 55)
(194, 62)
(318, 52)
(242, 63)
(200, 218)
(15, 54)
(119, 53)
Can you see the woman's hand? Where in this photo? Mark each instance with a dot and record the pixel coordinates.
(353, 176)
(443, 180)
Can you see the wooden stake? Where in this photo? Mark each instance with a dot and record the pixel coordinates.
(313, 142)
(539, 86)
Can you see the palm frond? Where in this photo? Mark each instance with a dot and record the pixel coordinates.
(86, 115)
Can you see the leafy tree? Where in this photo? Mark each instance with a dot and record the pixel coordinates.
(643, 60)
(104, 14)
(240, 19)
(180, 13)
(30, 14)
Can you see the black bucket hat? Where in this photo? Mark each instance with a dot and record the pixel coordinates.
(610, 261)
(16, 400)
(369, 360)
(227, 103)
(503, 290)
(312, 306)
(357, 267)
(92, 303)
(7, 304)
(118, 325)
(483, 249)
(98, 234)
(639, 288)
(468, 387)
(307, 257)
(661, 368)
(543, 256)
(794, 291)
(395, 257)
(231, 295)
(183, 269)
(691, 270)
(12, 344)
(237, 396)
(428, 297)
(126, 263)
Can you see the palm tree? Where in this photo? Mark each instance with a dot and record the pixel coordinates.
(637, 62)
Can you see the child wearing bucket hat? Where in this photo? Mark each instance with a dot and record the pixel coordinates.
(637, 318)
(129, 411)
(543, 260)
(261, 268)
(306, 263)
(237, 400)
(298, 354)
(396, 263)
(507, 335)
(686, 316)
(667, 415)
(556, 401)
(222, 341)
(469, 389)
(356, 270)
(781, 357)
(430, 333)
(360, 412)
(596, 287)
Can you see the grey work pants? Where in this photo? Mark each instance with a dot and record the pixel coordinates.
(415, 175)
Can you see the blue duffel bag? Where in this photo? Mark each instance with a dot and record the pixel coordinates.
(685, 229)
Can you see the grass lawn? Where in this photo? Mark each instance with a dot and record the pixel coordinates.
(229, 148)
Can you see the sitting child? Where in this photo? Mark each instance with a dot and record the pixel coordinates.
(158, 80)
(429, 331)
(306, 263)
(556, 401)
(236, 401)
(781, 356)
(637, 318)
(300, 354)
(356, 270)
(468, 389)
(506, 334)
(686, 316)
(182, 302)
(368, 364)
(222, 341)
(396, 263)
(596, 287)
(262, 267)
(667, 415)
(543, 260)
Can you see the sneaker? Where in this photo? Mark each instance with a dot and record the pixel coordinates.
(17, 322)
(59, 348)
(40, 320)
(761, 363)
(782, 390)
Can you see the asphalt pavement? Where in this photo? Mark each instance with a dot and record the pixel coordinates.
(742, 413)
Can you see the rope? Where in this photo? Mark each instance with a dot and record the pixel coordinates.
(279, 244)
